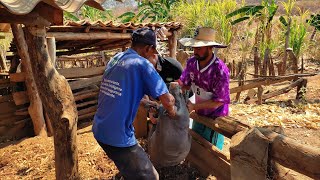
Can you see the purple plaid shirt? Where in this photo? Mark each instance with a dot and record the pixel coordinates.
(211, 82)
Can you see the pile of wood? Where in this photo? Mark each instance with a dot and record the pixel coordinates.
(92, 60)
(15, 121)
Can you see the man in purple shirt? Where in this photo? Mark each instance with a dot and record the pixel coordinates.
(208, 78)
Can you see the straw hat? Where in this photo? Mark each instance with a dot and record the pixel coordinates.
(202, 37)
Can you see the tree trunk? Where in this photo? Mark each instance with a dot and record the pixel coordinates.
(313, 34)
(58, 102)
(286, 45)
(256, 61)
(35, 109)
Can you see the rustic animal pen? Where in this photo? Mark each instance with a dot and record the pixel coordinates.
(40, 93)
(35, 44)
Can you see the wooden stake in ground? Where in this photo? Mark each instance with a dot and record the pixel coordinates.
(35, 109)
(58, 101)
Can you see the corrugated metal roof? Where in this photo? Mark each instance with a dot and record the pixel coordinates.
(21, 7)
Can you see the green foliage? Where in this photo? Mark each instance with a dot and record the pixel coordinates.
(314, 21)
(154, 11)
(206, 14)
(87, 12)
(298, 33)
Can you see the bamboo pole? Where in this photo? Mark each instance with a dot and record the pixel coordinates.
(67, 36)
(35, 109)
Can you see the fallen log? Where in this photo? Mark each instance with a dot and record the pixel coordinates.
(227, 126)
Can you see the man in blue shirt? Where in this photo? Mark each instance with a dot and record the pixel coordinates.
(127, 78)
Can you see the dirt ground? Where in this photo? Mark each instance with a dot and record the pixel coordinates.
(33, 158)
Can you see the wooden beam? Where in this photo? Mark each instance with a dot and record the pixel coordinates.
(172, 44)
(227, 126)
(50, 13)
(35, 108)
(85, 82)
(17, 77)
(212, 148)
(107, 47)
(264, 82)
(58, 102)
(286, 151)
(67, 36)
(207, 162)
(31, 18)
(20, 97)
(81, 72)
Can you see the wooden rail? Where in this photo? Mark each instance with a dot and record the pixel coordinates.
(301, 158)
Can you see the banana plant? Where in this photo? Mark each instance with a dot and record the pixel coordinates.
(315, 22)
(154, 11)
(286, 21)
(87, 12)
(264, 14)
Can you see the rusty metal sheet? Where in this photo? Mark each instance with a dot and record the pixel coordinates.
(21, 7)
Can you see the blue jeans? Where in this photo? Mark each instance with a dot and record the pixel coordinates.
(132, 162)
(209, 134)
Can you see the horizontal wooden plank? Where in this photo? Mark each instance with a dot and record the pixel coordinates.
(208, 162)
(20, 97)
(6, 98)
(85, 82)
(17, 77)
(81, 72)
(7, 107)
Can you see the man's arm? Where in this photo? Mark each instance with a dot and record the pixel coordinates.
(209, 104)
(168, 101)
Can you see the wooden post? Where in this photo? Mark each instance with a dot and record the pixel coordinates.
(35, 109)
(172, 44)
(294, 60)
(3, 63)
(256, 61)
(52, 50)
(249, 155)
(260, 92)
(58, 101)
(302, 90)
